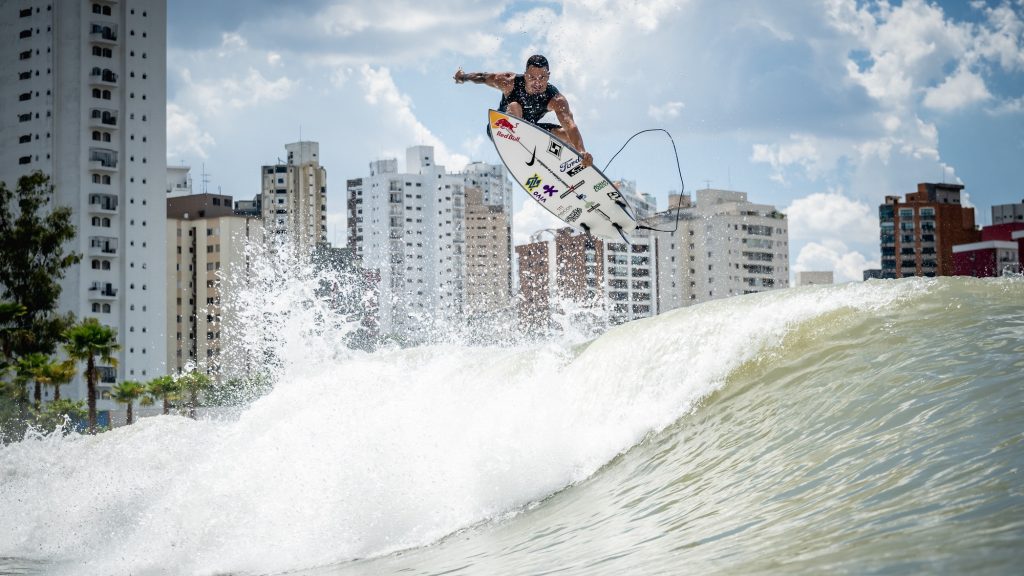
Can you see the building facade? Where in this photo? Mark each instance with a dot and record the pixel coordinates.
(557, 275)
(488, 260)
(84, 99)
(723, 246)
(918, 235)
(814, 278)
(293, 199)
(1008, 213)
(410, 228)
(996, 254)
(206, 245)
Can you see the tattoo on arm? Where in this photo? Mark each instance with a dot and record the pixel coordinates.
(475, 77)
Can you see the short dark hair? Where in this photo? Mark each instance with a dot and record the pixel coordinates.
(537, 61)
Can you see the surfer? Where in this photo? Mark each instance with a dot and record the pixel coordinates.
(530, 96)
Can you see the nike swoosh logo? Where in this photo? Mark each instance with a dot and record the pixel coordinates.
(532, 158)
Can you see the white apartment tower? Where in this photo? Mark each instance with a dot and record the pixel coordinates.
(724, 246)
(410, 228)
(294, 197)
(84, 100)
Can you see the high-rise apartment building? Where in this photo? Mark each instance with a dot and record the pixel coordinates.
(410, 227)
(565, 270)
(488, 270)
(724, 246)
(918, 235)
(294, 198)
(84, 101)
(206, 243)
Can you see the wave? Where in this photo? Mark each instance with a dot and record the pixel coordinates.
(823, 428)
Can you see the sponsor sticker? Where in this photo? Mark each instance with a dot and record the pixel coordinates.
(574, 215)
(569, 164)
(506, 129)
(600, 185)
(576, 170)
(532, 182)
(555, 149)
(550, 190)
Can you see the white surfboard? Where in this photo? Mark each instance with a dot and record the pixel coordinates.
(552, 173)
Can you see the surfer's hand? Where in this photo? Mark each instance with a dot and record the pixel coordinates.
(460, 76)
(588, 160)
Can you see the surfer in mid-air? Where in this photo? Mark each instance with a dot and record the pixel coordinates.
(529, 96)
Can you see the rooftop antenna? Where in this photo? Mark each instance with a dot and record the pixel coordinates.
(707, 184)
(204, 178)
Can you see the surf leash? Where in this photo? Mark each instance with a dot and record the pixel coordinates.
(679, 170)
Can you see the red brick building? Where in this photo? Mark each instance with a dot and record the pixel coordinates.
(997, 253)
(918, 234)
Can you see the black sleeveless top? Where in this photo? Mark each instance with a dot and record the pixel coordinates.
(534, 105)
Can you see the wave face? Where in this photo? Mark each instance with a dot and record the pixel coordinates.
(870, 427)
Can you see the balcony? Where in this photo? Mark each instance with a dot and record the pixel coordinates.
(103, 203)
(105, 78)
(101, 34)
(102, 160)
(105, 119)
(102, 291)
(102, 246)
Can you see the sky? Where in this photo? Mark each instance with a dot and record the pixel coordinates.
(818, 107)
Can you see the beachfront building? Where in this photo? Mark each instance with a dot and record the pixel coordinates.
(206, 244)
(918, 234)
(410, 228)
(814, 278)
(724, 246)
(294, 198)
(488, 271)
(84, 100)
(996, 254)
(560, 272)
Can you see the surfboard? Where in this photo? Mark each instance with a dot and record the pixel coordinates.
(552, 173)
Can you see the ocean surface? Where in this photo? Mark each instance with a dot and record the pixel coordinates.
(867, 428)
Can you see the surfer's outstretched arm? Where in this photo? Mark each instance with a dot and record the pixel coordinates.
(560, 106)
(503, 81)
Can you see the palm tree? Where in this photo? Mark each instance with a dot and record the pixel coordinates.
(193, 383)
(84, 342)
(56, 374)
(164, 388)
(126, 393)
(29, 368)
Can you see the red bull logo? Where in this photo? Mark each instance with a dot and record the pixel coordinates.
(504, 123)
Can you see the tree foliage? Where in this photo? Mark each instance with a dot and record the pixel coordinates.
(33, 259)
(86, 342)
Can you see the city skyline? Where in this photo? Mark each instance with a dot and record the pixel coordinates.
(822, 109)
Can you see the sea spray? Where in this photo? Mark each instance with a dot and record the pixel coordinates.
(355, 454)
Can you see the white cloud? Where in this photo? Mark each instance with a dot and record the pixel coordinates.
(802, 150)
(380, 90)
(665, 111)
(833, 215)
(1011, 106)
(958, 91)
(232, 93)
(848, 265)
(184, 137)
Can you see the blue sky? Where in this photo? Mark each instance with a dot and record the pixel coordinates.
(820, 107)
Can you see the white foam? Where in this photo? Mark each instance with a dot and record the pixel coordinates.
(355, 455)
